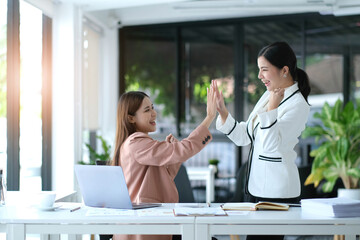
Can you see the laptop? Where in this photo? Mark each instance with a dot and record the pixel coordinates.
(105, 186)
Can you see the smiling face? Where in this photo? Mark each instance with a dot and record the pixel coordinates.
(272, 76)
(145, 117)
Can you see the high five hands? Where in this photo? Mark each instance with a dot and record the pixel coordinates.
(220, 103)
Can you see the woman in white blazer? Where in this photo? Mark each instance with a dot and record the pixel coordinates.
(273, 128)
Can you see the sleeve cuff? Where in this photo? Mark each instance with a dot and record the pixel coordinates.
(268, 119)
(227, 126)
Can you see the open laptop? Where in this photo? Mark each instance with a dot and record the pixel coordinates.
(105, 186)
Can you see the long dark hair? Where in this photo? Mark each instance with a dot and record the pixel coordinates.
(280, 54)
(128, 104)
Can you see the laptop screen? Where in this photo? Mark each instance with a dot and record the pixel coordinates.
(103, 186)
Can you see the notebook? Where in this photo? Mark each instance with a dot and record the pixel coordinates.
(105, 186)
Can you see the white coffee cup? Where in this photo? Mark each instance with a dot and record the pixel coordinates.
(47, 199)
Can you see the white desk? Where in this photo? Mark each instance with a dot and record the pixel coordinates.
(17, 222)
(290, 222)
(206, 174)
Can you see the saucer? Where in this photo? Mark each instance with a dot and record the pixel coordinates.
(52, 208)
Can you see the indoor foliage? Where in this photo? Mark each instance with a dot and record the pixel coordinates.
(338, 155)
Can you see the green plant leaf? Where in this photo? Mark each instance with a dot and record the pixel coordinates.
(338, 128)
(319, 155)
(343, 146)
(326, 114)
(331, 174)
(328, 186)
(349, 112)
(354, 172)
(317, 115)
(104, 156)
(315, 177)
(336, 111)
(333, 156)
(314, 131)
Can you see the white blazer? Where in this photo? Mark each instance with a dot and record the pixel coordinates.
(273, 136)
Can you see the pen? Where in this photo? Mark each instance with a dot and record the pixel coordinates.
(74, 209)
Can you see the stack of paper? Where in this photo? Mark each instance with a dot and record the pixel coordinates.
(207, 211)
(331, 207)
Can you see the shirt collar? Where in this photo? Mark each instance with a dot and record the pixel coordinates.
(290, 90)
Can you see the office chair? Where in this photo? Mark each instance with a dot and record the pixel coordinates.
(183, 186)
(239, 195)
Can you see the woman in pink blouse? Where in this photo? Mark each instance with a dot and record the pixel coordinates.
(150, 166)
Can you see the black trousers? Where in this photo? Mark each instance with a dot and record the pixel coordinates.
(250, 198)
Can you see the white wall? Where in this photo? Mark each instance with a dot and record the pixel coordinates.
(110, 84)
(109, 78)
(63, 132)
(67, 127)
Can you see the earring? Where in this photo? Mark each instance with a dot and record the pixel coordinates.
(285, 76)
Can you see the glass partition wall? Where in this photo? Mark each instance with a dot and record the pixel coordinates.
(3, 91)
(25, 96)
(150, 67)
(175, 63)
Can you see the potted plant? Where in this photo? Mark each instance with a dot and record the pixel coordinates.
(99, 158)
(214, 162)
(338, 155)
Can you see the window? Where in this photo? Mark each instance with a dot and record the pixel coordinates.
(207, 53)
(91, 86)
(150, 66)
(29, 67)
(3, 66)
(355, 84)
(30, 97)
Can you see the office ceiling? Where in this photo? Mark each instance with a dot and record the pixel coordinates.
(117, 13)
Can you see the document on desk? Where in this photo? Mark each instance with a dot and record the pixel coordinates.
(237, 213)
(151, 212)
(93, 212)
(331, 207)
(206, 211)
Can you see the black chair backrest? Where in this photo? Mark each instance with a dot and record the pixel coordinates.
(239, 195)
(183, 186)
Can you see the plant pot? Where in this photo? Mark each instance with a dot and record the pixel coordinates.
(349, 193)
(215, 169)
(100, 162)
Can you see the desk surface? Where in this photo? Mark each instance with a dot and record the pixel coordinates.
(21, 220)
(291, 222)
(292, 216)
(16, 214)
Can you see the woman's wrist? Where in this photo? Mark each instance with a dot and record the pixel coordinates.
(208, 120)
(223, 115)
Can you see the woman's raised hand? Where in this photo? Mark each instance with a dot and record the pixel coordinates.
(220, 103)
(170, 138)
(210, 107)
(211, 102)
(276, 96)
